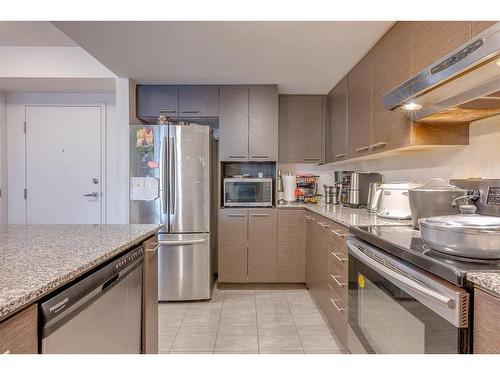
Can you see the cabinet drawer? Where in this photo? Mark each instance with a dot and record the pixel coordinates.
(18, 334)
(336, 237)
(337, 263)
(336, 313)
(339, 284)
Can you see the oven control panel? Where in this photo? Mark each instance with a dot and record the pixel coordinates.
(493, 197)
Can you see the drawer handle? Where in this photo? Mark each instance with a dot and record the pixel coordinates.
(236, 215)
(6, 352)
(377, 145)
(190, 111)
(168, 111)
(237, 157)
(312, 159)
(323, 225)
(360, 149)
(339, 283)
(336, 255)
(338, 234)
(309, 218)
(339, 309)
(260, 156)
(339, 156)
(259, 215)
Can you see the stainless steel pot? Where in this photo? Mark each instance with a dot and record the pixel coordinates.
(434, 198)
(371, 204)
(465, 235)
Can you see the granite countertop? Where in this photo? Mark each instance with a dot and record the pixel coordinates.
(345, 215)
(488, 281)
(37, 259)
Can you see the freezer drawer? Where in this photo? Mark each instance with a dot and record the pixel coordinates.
(184, 267)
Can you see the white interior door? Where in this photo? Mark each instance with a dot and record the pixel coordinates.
(63, 165)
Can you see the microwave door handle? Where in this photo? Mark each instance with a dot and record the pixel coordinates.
(400, 279)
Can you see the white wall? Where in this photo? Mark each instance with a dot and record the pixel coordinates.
(3, 159)
(116, 154)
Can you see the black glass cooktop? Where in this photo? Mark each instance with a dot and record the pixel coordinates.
(407, 244)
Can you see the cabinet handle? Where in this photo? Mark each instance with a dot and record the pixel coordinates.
(339, 283)
(260, 156)
(6, 352)
(236, 215)
(190, 112)
(259, 215)
(309, 217)
(168, 111)
(360, 149)
(336, 255)
(378, 145)
(312, 159)
(339, 309)
(237, 157)
(323, 225)
(339, 156)
(336, 233)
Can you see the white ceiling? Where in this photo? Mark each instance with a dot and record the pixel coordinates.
(32, 33)
(301, 57)
(57, 85)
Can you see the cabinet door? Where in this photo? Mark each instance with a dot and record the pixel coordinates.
(262, 245)
(434, 39)
(391, 67)
(233, 245)
(359, 108)
(199, 101)
(18, 334)
(233, 124)
(309, 249)
(150, 297)
(157, 100)
(263, 123)
(480, 26)
(486, 323)
(291, 246)
(337, 112)
(301, 128)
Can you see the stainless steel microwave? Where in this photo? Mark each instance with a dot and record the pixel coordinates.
(248, 192)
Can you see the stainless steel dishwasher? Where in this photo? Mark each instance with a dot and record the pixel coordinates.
(99, 314)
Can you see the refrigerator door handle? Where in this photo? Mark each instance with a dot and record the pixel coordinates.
(180, 242)
(171, 172)
(164, 177)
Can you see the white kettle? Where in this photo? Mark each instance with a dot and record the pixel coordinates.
(392, 201)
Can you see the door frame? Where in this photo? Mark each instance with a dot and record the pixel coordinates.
(102, 152)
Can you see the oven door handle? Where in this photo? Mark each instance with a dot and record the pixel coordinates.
(394, 276)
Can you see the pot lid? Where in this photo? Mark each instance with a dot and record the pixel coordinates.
(463, 222)
(438, 184)
(398, 185)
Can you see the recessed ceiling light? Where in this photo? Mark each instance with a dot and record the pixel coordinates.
(411, 106)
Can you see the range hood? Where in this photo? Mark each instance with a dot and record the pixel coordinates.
(463, 86)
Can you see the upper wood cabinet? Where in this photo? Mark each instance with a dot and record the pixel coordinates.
(391, 66)
(233, 124)
(198, 101)
(434, 39)
(301, 128)
(336, 146)
(157, 100)
(263, 123)
(262, 245)
(478, 27)
(248, 123)
(359, 101)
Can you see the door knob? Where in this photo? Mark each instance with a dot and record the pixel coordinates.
(95, 194)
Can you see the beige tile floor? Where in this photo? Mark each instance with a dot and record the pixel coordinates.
(246, 321)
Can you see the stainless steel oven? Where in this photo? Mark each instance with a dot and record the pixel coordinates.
(395, 307)
(248, 192)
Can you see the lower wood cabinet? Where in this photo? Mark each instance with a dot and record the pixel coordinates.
(291, 246)
(19, 334)
(248, 241)
(150, 297)
(486, 323)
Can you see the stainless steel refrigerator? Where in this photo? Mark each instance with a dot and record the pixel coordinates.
(172, 180)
